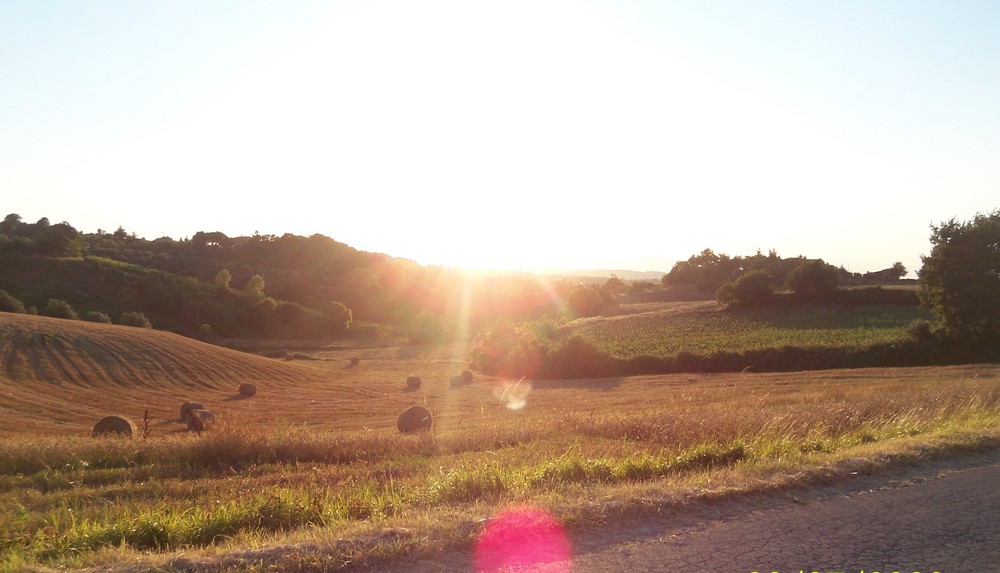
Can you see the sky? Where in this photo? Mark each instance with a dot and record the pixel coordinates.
(527, 135)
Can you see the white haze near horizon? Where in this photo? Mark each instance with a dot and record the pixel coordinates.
(521, 134)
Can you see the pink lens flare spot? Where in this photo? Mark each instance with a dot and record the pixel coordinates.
(522, 537)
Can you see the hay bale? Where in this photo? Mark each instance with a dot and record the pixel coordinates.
(467, 377)
(113, 425)
(413, 382)
(355, 361)
(186, 407)
(248, 389)
(414, 419)
(455, 381)
(200, 420)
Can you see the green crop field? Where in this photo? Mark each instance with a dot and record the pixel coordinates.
(704, 328)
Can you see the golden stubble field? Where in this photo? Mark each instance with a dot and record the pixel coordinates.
(314, 457)
(59, 377)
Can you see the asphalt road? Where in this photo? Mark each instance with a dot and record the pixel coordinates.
(943, 517)
(949, 523)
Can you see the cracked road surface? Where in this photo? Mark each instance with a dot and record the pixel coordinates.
(948, 523)
(944, 517)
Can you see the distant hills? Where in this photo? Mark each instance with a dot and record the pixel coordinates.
(263, 286)
(294, 287)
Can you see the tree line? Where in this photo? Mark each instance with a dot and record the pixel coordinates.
(959, 282)
(294, 286)
(285, 286)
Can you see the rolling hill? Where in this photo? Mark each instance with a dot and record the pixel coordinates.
(56, 373)
(58, 377)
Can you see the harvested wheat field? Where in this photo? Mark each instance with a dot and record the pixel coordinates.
(61, 376)
(312, 469)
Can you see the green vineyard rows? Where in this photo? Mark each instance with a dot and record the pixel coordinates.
(707, 332)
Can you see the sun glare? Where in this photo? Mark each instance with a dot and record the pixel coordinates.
(518, 538)
(512, 135)
(457, 113)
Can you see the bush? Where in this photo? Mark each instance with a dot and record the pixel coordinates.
(60, 240)
(960, 280)
(584, 301)
(577, 358)
(508, 350)
(136, 319)
(752, 289)
(814, 279)
(337, 316)
(205, 332)
(921, 331)
(10, 304)
(96, 316)
(57, 308)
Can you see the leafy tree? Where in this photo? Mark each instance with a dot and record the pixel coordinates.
(707, 271)
(292, 317)
(337, 317)
(97, 316)
(136, 319)
(223, 278)
(10, 304)
(10, 224)
(255, 286)
(263, 317)
(898, 270)
(57, 308)
(613, 287)
(752, 289)
(584, 301)
(205, 332)
(960, 279)
(513, 350)
(813, 278)
(60, 240)
(214, 239)
(365, 294)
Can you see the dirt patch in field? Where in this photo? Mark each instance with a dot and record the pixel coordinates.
(649, 309)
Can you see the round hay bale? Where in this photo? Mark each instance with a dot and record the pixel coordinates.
(200, 420)
(355, 361)
(414, 419)
(455, 381)
(113, 425)
(467, 377)
(413, 382)
(188, 406)
(248, 389)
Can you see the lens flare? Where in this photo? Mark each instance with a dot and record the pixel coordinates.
(513, 396)
(522, 537)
